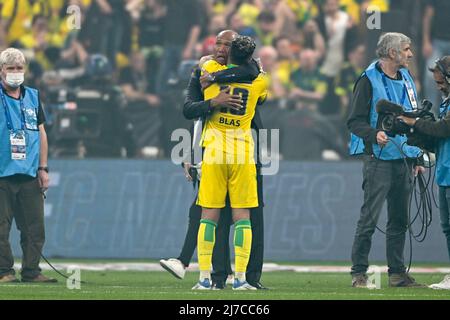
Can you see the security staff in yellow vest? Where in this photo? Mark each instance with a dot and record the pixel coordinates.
(23, 169)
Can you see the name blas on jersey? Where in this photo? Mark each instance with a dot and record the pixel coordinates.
(230, 122)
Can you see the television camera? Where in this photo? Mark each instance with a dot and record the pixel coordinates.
(389, 122)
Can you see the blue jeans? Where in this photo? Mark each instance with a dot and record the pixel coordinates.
(440, 49)
(444, 209)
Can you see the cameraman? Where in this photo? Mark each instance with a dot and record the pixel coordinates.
(385, 175)
(440, 130)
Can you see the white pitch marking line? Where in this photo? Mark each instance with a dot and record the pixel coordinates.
(268, 267)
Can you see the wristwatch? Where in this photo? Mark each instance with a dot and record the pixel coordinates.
(43, 168)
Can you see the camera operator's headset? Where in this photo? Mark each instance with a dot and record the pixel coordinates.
(443, 69)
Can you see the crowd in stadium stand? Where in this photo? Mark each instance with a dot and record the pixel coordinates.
(312, 51)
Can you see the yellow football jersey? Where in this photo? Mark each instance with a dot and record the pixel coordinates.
(229, 130)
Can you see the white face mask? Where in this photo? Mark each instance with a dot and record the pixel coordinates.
(14, 79)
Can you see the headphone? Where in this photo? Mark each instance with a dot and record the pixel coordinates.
(443, 69)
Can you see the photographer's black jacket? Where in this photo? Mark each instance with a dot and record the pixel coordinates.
(359, 118)
(439, 129)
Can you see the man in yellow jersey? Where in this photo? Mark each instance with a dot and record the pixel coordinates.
(229, 167)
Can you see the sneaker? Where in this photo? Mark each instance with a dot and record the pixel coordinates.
(203, 285)
(443, 285)
(360, 280)
(40, 278)
(8, 278)
(230, 279)
(402, 280)
(258, 286)
(242, 285)
(174, 266)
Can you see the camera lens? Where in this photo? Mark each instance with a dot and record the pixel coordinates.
(387, 123)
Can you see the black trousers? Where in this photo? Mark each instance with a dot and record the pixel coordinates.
(221, 254)
(255, 264)
(444, 210)
(21, 199)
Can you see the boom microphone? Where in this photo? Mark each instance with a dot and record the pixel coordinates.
(385, 106)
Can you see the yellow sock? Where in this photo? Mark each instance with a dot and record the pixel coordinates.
(242, 244)
(205, 244)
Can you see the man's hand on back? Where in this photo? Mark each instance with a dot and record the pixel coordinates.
(225, 99)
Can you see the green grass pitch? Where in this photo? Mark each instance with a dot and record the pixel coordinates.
(154, 285)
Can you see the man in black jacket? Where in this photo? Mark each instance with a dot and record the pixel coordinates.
(196, 108)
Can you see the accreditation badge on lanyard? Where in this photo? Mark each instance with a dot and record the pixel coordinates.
(18, 145)
(411, 95)
(16, 136)
(407, 90)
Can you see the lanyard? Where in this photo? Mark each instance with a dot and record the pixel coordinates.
(8, 115)
(386, 88)
(444, 110)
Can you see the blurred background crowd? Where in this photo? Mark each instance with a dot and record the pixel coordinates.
(115, 86)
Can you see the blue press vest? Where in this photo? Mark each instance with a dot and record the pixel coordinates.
(396, 92)
(443, 154)
(30, 165)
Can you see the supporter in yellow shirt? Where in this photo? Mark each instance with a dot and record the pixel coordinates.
(303, 10)
(40, 40)
(287, 62)
(16, 18)
(309, 86)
